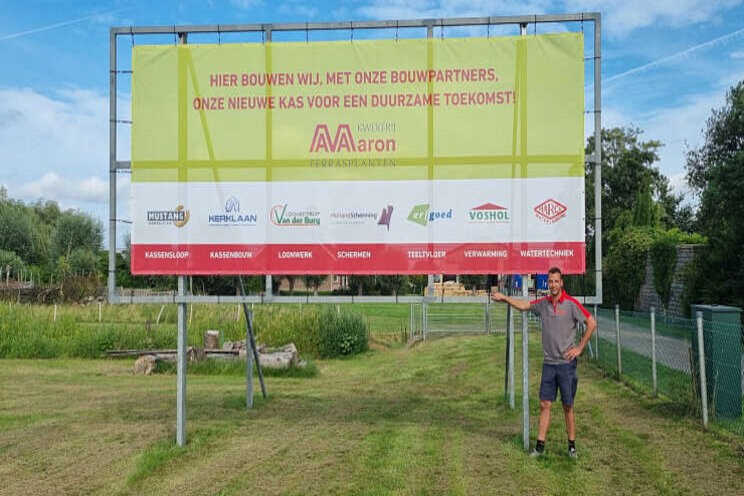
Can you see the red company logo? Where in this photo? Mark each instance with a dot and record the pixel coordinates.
(344, 141)
(550, 211)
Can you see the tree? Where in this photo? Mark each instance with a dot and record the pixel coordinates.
(627, 169)
(362, 285)
(83, 261)
(473, 281)
(16, 229)
(76, 230)
(314, 282)
(291, 281)
(10, 265)
(394, 285)
(716, 173)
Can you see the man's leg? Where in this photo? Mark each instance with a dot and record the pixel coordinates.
(568, 413)
(548, 392)
(567, 383)
(542, 431)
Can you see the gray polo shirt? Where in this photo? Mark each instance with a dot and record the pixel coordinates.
(558, 325)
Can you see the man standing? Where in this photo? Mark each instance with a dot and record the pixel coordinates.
(559, 313)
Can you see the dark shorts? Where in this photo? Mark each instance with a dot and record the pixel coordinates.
(555, 377)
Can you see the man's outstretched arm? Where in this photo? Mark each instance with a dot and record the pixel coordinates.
(522, 305)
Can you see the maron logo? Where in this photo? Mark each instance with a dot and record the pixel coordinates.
(344, 141)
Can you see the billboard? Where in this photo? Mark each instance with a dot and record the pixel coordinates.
(365, 157)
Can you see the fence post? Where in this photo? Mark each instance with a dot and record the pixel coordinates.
(701, 362)
(510, 333)
(411, 328)
(596, 335)
(488, 314)
(617, 342)
(653, 351)
(423, 319)
(506, 361)
(100, 311)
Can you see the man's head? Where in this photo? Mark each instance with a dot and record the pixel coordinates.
(555, 281)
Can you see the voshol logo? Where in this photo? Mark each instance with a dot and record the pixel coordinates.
(421, 214)
(178, 216)
(488, 213)
(550, 211)
(344, 141)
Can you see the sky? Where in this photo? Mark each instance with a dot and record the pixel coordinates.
(665, 65)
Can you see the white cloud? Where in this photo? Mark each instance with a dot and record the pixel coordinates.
(102, 17)
(621, 18)
(416, 9)
(298, 9)
(51, 185)
(247, 4)
(618, 18)
(56, 147)
(739, 54)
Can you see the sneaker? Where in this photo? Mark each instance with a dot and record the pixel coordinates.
(536, 454)
(572, 453)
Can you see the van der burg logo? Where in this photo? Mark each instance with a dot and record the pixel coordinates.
(550, 211)
(488, 213)
(343, 141)
(178, 217)
(280, 215)
(422, 215)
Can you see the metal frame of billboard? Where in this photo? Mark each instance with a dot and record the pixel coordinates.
(182, 298)
(182, 32)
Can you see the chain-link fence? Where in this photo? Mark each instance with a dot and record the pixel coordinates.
(663, 355)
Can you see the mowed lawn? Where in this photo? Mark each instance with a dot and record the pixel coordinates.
(430, 419)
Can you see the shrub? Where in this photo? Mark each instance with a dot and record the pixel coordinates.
(342, 334)
(626, 265)
(663, 253)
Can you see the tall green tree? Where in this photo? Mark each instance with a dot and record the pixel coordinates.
(76, 230)
(628, 170)
(715, 171)
(16, 229)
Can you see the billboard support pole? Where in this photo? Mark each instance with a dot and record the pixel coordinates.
(181, 367)
(597, 160)
(182, 337)
(525, 324)
(269, 288)
(251, 341)
(112, 168)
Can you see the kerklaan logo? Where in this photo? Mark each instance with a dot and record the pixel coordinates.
(550, 211)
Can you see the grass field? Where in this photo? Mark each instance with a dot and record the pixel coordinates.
(424, 420)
